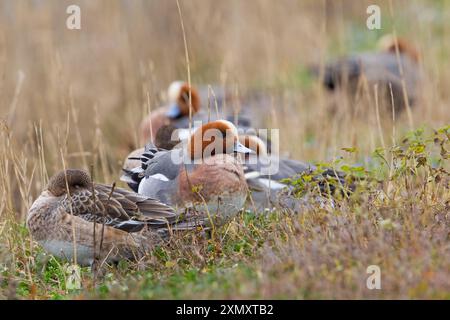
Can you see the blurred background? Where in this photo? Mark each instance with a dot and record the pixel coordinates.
(79, 95)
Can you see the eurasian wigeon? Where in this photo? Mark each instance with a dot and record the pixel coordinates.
(264, 174)
(176, 113)
(380, 68)
(73, 214)
(203, 175)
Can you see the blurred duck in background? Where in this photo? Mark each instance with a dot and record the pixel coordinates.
(385, 68)
(176, 113)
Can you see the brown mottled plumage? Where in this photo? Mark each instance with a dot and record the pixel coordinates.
(66, 211)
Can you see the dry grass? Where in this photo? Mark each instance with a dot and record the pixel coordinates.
(77, 97)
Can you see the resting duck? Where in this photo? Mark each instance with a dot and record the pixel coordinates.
(203, 175)
(264, 174)
(379, 67)
(176, 113)
(71, 202)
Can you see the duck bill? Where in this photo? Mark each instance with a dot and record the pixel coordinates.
(173, 112)
(240, 148)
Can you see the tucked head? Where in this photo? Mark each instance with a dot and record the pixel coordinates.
(254, 143)
(388, 43)
(179, 93)
(74, 177)
(216, 137)
(167, 137)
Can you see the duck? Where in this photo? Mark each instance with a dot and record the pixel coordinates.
(380, 68)
(202, 176)
(72, 208)
(176, 113)
(265, 175)
(180, 96)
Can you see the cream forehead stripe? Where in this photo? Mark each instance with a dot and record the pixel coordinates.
(386, 41)
(174, 90)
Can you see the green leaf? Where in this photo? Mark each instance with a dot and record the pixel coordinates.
(350, 150)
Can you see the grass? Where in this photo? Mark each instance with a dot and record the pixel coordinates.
(77, 97)
(398, 223)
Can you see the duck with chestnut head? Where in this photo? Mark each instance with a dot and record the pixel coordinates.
(204, 175)
(76, 218)
(180, 97)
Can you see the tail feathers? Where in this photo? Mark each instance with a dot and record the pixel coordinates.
(132, 177)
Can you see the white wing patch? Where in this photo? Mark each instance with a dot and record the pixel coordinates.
(271, 184)
(251, 175)
(159, 176)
